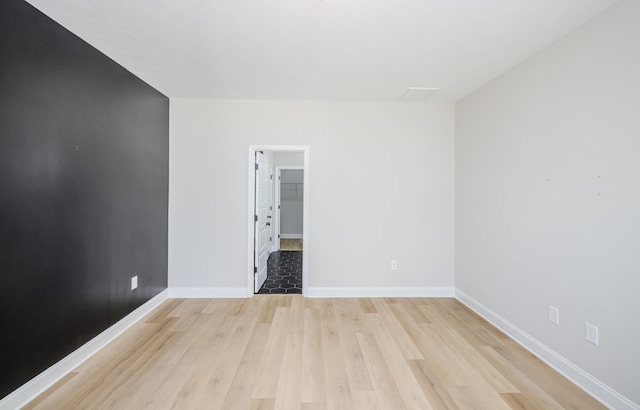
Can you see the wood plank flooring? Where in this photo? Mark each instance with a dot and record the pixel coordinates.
(287, 352)
(289, 244)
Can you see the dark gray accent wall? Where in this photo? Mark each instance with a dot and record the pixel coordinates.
(84, 159)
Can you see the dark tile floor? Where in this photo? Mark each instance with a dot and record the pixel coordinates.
(284, 273)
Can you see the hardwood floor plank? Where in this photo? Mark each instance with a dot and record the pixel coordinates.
(336, 377)
(432, 386)
(536, 397)
(289, 392)
(483, 393)
(206, 330)
(170, 391)
(52, 394)
(435, 354)
(465, 399)
(222, 375)
(402, 339)
(365, 400)
(467, 349)
(262, 404)
(271, 363)
(410, 391)
(163, 311)
(367, 306)
(387, 394)
(145, 379)
(560, 389)
(109, 382)
(521, 401)
(287, 352)
(245, 379)
(409, 308)
(476, 330)
(349, 319)
(192, 388)
(190, 307)
(313, 383)
(269, 309)
(314, 406)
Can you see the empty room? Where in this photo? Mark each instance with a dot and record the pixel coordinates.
(319, 204)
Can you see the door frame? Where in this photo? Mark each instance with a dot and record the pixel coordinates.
(304, 149)
(278, 201)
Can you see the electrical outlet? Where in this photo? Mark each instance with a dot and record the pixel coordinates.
(394, 264)
(554, 315)
(134, 282)
(591, 333)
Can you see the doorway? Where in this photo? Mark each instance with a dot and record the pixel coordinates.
(288, 207)
(256, 228)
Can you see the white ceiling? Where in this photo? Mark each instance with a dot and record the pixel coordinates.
(319, 49)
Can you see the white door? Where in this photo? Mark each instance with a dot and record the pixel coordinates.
(262, 219)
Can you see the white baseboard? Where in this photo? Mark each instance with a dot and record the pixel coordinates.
(31, 389)
(582, 379)
(207, 293)
(379, 292)
(290, 236)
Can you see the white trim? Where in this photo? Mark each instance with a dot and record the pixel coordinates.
(276, 211)
(305, 224)
(207, 293)
(250, 222)
(250, 213)
(36, 386)
(291, 236)
(379, 292)
(575, 374)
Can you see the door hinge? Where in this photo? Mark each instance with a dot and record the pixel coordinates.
(271, 176)
(255, 219)
(256, 167)
(270, 239)
(271, 208)
(278, 236)
(278, 206)
(255, 269)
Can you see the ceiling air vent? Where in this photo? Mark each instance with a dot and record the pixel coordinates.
(417, 93)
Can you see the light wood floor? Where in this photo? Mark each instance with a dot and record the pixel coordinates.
(287, 352)
(290, 244)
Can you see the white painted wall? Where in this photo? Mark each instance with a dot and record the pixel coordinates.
(548, 196)
(381, 187)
